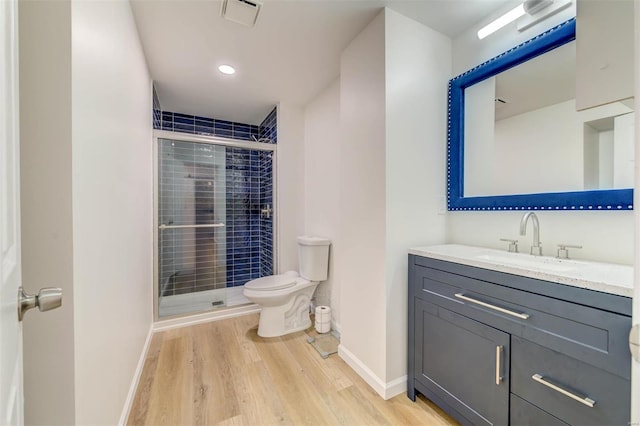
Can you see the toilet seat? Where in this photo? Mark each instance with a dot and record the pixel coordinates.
(271, 282)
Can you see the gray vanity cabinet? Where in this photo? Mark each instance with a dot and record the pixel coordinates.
(495, 348)
(464, 362)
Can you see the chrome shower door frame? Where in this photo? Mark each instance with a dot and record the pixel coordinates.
(211, 140)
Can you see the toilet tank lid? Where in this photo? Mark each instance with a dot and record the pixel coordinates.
(309, 240)
(271, 282)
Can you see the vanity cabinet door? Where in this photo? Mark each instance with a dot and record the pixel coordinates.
(462, 364)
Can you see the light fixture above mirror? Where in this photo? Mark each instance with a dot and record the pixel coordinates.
(528, 13)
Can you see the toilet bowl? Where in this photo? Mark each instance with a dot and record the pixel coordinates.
(285, 298)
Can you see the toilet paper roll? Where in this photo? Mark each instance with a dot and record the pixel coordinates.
(323, 314)
(323, 319)
(323, 327)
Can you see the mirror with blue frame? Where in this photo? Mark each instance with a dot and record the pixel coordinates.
(516, 141)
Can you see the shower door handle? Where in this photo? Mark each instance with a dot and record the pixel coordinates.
(208, 225)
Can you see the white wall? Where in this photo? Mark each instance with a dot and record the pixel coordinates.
(393, 91)
(605, 236)
(322, 185)
(624, 150)
(290, 184)
(86, 207)
(521, 162)
(418, 64)
(361, 263)
(47, 227)
(112, 205)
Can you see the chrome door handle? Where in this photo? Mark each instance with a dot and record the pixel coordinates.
(494, 307)
(499, 350)
(46, 299)
(581, 399)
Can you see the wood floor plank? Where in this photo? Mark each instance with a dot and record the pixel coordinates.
(294, 388)
(261, 404)
(140, 403)
(365, 409)
(223, 373)
(216, 395)
(172, 382)
(335, 367)
(311, 365)
(235, 421)
(245, 328)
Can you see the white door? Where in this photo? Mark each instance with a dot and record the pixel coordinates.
(11, 395)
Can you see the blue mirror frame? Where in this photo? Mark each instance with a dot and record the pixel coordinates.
(615, 199)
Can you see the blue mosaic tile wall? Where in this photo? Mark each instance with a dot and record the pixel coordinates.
(249, 183)
(269, 127)
(176, 122)
(268, 130)
(243, 216)
(157, 117)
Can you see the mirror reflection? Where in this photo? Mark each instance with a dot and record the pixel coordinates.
(523, 134)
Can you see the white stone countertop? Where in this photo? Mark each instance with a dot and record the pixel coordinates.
(605, 277)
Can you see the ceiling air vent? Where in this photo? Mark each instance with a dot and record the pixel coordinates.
(241, 11)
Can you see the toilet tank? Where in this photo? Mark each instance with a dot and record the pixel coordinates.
(313, 255)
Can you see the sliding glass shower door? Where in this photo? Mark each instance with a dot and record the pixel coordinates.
(215, 223)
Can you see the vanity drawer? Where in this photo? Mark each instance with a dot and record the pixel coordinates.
(525, 413)
(547, 378)
(595, 336)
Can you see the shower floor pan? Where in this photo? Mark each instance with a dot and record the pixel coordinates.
(201, 301)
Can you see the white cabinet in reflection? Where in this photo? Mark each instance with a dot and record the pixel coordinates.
(605, 53)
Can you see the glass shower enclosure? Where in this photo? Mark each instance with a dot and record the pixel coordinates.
(214, 221)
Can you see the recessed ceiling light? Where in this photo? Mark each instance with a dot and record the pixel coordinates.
(227, 69)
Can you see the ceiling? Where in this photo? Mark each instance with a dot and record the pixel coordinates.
(290, 55)
(540, 82)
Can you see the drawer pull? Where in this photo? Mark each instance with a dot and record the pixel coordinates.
(498, 364)
(494, 307)
(582, 399)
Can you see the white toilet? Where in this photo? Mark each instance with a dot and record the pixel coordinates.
(285, 298)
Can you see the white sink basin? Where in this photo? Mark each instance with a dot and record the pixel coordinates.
(528, 261)
(606, 277)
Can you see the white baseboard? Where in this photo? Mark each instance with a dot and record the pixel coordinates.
(136, 379)
(206, 317)
(385, 390)
(396, 387)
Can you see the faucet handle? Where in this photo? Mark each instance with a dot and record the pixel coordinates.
(513, 244)
(563, 252)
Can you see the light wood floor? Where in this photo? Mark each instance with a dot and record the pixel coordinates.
(223, 373)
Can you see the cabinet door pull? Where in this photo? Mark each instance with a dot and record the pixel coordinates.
(494, 307)
(582, 399)
(498, 364)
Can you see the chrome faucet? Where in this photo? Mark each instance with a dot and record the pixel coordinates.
(536, 248)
